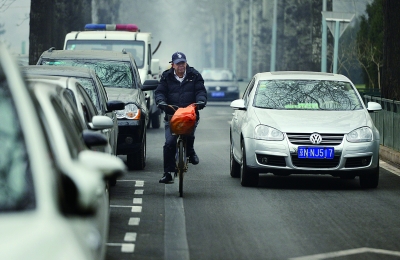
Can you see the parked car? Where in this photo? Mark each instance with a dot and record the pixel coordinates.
(119, 75)
(49, 203)
(303, 123)
(221, 84)
(95, 89)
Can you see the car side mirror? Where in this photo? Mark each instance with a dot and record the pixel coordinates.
(109, 166)
(373, 107)
(113, 105)
(238, 104)
(92, 138)
(150, 84)
(101, 123)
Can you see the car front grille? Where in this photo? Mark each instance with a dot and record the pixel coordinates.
(316, 163)
(355, 162)
(215, 88)
(271, 160)
(304, 139)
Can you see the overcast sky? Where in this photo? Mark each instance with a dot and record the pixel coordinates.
(16, 21)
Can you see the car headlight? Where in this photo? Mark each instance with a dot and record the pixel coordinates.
(363, 134)
(263, 132)
(131, 111)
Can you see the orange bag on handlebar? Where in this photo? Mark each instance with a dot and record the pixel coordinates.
(183, 121)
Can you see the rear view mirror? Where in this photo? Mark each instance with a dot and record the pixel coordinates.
(109, 166)
(115, 105)
(101, 123)
(373, 107)
(238, 104)
(150, 84)
(92, 138)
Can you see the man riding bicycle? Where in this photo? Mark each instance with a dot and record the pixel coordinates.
(181, 85)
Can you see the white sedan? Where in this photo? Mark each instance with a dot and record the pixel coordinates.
(49, 204)
(303, 123)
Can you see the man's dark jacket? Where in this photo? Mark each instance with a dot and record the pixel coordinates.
(173, 92)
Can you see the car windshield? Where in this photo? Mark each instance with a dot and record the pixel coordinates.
(217, 75)
(136, 48)
(113, 74)
(89, 86)
(306, 95)
(16, 185)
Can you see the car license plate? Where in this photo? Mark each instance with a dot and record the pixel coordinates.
(218, 94)
(316, 152)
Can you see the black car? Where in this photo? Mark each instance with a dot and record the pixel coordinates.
(120, 77)
(221, 84)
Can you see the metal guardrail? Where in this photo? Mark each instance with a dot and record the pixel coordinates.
(387, 121)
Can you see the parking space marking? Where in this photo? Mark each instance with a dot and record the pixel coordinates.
(137, 201)
(389, 167)
(136, 209)
(130, 237)
(134, 221)
(125, 247)
(354, 251)
(139, 184)
(138, 192)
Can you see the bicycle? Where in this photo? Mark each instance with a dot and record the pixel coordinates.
(181, 157)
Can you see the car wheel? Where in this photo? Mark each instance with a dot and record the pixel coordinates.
(156, 120)
(248, 178)
(370, 180)
(137, 160)
(235, 166)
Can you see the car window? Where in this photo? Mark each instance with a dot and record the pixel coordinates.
(113, 74)
(102, 95)
(69, 105)
(16, 183)
(136, 48)
(90, 88)
(246, 93)
(70, 128)
(86, 103)
(217, 75)
(306, 95)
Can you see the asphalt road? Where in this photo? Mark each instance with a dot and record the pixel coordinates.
(295, 217)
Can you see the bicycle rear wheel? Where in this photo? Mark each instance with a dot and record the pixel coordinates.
(181, 165)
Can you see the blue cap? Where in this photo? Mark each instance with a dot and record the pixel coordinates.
(178, 57)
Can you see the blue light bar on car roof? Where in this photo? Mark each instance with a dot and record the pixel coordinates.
(111, 27)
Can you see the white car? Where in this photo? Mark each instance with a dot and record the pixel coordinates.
(303, 123)
(49, 199)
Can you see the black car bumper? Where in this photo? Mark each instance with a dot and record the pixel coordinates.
(130, 135)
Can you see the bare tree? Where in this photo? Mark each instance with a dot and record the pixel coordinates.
(5, 4)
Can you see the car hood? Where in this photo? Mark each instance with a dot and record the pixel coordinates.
(34, 236)
(300, 121)
(123, 94)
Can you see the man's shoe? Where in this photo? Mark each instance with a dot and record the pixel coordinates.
(193, 159)
(167, 178)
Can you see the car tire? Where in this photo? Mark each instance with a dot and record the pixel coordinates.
(156, 120)
(248, 178)
(370, 180)
(234, 166)
(137, 160)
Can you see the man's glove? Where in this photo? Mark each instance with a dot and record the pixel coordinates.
(200, 105)
(162, 104)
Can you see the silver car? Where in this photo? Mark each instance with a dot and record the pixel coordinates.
(303, 123)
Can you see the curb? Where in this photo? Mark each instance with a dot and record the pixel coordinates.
(390, 155)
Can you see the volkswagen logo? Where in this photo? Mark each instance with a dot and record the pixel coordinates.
(217, 88)
(315, 138)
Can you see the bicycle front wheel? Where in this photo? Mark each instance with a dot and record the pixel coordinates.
(181, 165)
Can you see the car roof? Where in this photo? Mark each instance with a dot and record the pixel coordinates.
(54, 80)
(310, 75)
(87, 54)
(67, 71)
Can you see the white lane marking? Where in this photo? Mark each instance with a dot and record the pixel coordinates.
(137, 201)
(347, 252)
(134, 221)
(175, 240)
(125, 247)
(130, 237)
(389, 167)
(138, 192)
(128, 180)
(136, 209)
(120, 206)
(139, 184)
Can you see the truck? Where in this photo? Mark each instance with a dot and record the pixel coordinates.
(118, 37)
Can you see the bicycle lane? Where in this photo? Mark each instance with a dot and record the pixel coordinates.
(175, 240)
